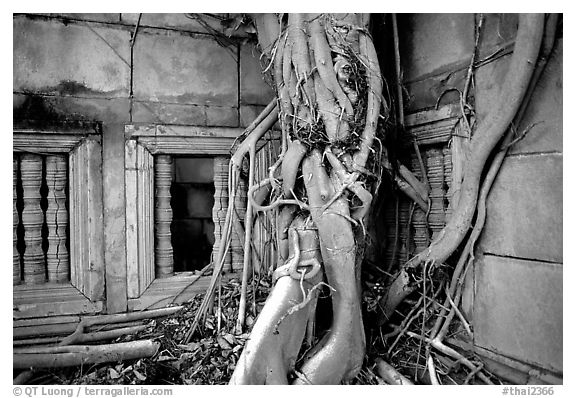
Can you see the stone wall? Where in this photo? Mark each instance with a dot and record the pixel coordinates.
(513, 297)
(86, 67)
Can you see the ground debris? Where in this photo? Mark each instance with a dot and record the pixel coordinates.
(210, 358)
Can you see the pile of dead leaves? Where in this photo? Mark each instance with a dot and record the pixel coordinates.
(210, 358)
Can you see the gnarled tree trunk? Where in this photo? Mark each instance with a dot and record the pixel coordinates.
(329, 87)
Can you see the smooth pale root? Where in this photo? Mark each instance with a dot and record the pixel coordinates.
(487, 135)
(306, 83)
(340, 353)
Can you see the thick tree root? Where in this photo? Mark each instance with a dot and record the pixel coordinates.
(486, 137)
(270, 354)
(316, 100)
(340, 353)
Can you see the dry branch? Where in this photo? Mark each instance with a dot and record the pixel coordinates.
(75, 355)
(80, 332)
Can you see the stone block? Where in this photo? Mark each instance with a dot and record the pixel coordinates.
(180, 69)
(518, 309)
(221, 116)
(253, 88)
(489, 81)
(545, 110)
(524, 209)
(162, 113)
(248, 113)
(199, 170)
(50, 57)
(430, 42)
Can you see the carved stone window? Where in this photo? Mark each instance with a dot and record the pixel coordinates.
(148, 167)
(58, 265)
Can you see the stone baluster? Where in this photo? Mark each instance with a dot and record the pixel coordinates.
(447, 152)
(163, 216)
(16, 277)
(435, 167)
(391, 238)
(57, 258)
(405, 243)
(220, 206)
(421, 236)
(237, 241)
(32, 219)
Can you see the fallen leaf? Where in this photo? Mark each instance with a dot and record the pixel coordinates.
(113, 374)
(223, 343)
(229, 338)
(139, 375)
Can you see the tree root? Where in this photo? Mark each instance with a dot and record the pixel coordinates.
(485, 139)
(391, 375)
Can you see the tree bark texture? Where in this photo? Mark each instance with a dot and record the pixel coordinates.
(329, 86)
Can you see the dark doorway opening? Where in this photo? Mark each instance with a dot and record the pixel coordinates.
(192, 201)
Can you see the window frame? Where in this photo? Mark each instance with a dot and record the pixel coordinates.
(142, 143)
(84, 293)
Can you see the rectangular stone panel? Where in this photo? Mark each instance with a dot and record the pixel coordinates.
(173, 68)
(429, 42)
(524, 209)
(162, 113)
(221, 116)
(544, 113)
(73, 59)
(518, 309)
(253, 89)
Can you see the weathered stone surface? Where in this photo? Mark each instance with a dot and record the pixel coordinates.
(221, 116)
(161, 113)
(248, 113)
(98, 17)
(253, 89)
(432, 41)
(173, 21)
(200, 170)
(114, 201)
(518, 309)
(524, 209)
(489, 80)
(174, 68)
(53, 58)
(545, 110)
(47, 108)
